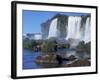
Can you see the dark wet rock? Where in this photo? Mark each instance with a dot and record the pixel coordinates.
(53, 59)
(46, 59)
(78, 63)
(84, 47)
(71, 58)
(80, 50)
(49, 61)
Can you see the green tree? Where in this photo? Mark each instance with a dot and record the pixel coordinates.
(49, 46)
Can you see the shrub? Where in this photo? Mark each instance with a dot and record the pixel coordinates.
(49, 46)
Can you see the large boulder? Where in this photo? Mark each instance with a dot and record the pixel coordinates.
(78, 63)
(48, 59)
(71, 57)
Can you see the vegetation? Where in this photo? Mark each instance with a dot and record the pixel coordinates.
(84, 46)
(49, 46)
(32, 44)
(60, 46)
(88, 47)
(81, 45)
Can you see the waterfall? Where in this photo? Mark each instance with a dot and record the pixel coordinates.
(77, 29)
(73, 30)
(53, 28)
(87, 32)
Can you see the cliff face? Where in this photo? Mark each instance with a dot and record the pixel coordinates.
(62, 25)
(45, 29)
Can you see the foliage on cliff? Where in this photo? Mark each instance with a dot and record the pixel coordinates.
(49, 46)
(84, 46)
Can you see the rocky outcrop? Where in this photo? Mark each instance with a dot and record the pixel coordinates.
(72, 57)
(45, 29)
(71, 61)
(62, 25)
(78, 63)
(46, 59)
(52, 58)
(82, 46)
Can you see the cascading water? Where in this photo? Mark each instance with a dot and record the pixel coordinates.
(73, 30)
(87, 32)
(53, 29)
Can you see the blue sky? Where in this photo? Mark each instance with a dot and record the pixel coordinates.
(32, 20)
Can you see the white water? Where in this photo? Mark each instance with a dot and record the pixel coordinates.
(87, 32)
(73, 30)
(53, 29)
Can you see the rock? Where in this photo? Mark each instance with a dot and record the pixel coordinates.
(46, 59)
(71, 58)
(78, 63)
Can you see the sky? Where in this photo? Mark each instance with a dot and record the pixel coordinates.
(32, 20)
